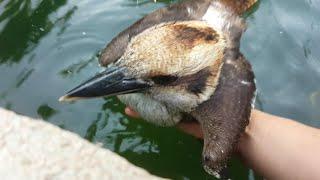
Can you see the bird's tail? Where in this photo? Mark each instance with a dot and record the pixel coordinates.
(239, 6)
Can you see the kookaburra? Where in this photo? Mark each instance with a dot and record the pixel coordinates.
(183, 61)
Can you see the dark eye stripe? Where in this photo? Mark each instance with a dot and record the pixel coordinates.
(194, 83)
(164, 79)
(198, 82)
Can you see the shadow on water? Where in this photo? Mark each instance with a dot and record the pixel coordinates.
(25, 26)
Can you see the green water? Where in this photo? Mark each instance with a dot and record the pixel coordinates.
(49, 46)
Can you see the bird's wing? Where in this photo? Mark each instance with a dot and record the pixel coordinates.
(184, 11)
(226, 114)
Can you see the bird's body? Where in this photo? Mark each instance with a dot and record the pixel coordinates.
(183, 60)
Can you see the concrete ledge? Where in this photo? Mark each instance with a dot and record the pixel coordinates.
(34, 149)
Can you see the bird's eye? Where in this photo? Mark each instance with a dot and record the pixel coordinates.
(164, 79)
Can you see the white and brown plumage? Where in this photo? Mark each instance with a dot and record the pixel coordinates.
(183, 60)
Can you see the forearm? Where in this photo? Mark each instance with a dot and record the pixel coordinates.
(280, 148)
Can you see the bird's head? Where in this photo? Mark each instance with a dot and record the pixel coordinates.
(167, 61)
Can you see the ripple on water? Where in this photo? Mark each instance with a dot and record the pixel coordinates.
(281, 43)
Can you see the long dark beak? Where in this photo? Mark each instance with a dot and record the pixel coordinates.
(111, 82)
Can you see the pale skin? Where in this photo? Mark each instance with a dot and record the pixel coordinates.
(275, 147)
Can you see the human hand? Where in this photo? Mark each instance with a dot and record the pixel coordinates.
(265, 147)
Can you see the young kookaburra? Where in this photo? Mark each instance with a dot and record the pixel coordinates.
(178, 61)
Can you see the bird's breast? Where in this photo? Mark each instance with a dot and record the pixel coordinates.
(151, 110)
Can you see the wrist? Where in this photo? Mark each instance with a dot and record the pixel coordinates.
(248, 137)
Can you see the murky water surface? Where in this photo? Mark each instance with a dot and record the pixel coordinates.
(49, 46)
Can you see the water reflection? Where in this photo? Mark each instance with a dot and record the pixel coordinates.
(63, 21)
(23, 76)
(77, 67)
(25, 25)
(46, 112)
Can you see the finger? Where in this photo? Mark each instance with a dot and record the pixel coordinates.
(192, 128)
(131, 112)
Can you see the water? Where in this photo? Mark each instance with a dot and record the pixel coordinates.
(49, 46)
